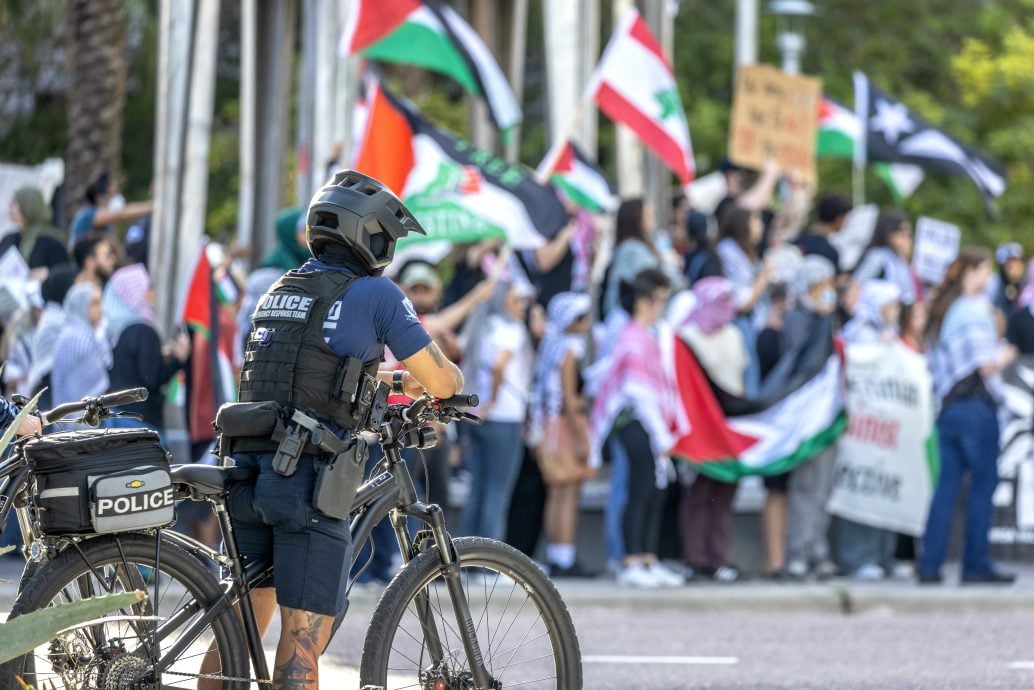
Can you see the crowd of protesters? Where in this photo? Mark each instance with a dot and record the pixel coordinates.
(563, 345)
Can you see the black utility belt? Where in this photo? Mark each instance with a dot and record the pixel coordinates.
(265, 427)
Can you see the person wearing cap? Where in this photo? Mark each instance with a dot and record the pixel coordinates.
(560, 424)
(420, 281)
(1009, 282)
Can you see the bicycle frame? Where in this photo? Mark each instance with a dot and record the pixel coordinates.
(390, 493)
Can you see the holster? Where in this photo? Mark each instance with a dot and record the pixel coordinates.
(338, 479)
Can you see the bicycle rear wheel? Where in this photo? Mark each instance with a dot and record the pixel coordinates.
(524, 630)
(116, 652)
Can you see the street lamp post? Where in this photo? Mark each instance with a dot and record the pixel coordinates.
(790, 17)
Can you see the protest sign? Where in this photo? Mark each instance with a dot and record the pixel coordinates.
(775, 115)
(1012, 531)
(886, 458)
(936, 246)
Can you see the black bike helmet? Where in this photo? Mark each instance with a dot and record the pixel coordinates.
(358, 212)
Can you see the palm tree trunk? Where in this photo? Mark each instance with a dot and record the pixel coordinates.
(96, 64)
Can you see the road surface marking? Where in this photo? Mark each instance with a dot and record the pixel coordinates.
(698, 660)
(1019, 665)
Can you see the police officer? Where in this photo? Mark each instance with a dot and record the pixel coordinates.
(309, 331)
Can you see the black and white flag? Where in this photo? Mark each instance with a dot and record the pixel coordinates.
(892, 133)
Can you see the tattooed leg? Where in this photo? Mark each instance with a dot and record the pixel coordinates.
(303, 638)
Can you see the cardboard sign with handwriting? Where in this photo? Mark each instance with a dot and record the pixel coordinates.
(775, 114)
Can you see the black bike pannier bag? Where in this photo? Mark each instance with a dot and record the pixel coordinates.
(110, 480)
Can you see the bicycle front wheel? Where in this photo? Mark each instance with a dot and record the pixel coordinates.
(119, 651)
(523, 628)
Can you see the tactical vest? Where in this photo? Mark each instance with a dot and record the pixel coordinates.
(287, 358)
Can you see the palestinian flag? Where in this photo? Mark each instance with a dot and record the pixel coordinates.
(210, 379)
(582, 181)
(764, 438)
(432, 35)
(839, 129)
(634, 84)
(458, 193)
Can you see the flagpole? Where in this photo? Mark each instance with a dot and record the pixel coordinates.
(861, 144)
(548, 163)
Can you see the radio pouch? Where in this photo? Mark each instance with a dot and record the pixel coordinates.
(338, 480)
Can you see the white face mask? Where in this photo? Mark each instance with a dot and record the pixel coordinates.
(828, 298)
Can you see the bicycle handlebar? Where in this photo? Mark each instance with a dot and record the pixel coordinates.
(413, 412)
(126, 397)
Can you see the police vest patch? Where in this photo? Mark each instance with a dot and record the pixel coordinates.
(284, 306)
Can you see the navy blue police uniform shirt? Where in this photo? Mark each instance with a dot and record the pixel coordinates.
(373, 311)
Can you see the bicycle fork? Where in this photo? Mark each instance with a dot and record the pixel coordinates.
(450, 569)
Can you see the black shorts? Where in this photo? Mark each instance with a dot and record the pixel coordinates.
(274, 522)
(778, 482)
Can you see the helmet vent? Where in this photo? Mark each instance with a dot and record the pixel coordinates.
(325, 220)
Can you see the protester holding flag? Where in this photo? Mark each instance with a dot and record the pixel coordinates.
(138, 358)
(638, 403)
(559, 420)
(888, 257)
(807, 333)
(705, 509)
(503, 360)
(965, 359)
(865, 551)
(1019, 330)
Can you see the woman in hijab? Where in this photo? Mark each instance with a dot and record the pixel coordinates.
(44, 341)
(35, 238)
(560, 423)
(290, 251)
(138, 359)
(503, 358)
(705, 509)
(82, 355)
(864, 551)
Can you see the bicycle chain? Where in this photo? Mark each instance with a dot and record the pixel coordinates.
(216, 676)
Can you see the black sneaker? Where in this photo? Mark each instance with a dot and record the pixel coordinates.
(930, 578)
(992, 578)
(576, 570)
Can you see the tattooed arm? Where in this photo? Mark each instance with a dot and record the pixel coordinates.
(439, 377)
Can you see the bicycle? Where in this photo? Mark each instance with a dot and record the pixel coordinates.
(414, 639)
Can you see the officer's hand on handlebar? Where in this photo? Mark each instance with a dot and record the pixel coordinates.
(30, 426)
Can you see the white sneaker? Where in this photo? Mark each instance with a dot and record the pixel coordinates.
(638, 575)
(903, 570)
(665, 576)
(797, 568)
(870, 572)
(726, 574)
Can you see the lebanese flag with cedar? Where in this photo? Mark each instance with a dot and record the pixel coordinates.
(634, 85)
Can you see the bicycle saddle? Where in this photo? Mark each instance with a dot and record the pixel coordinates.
(207, 480)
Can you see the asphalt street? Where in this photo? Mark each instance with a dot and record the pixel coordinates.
(760, 635)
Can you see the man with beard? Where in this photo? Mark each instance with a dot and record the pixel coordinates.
(96, 257)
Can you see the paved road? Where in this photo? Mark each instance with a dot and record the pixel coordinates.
(752, 635)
